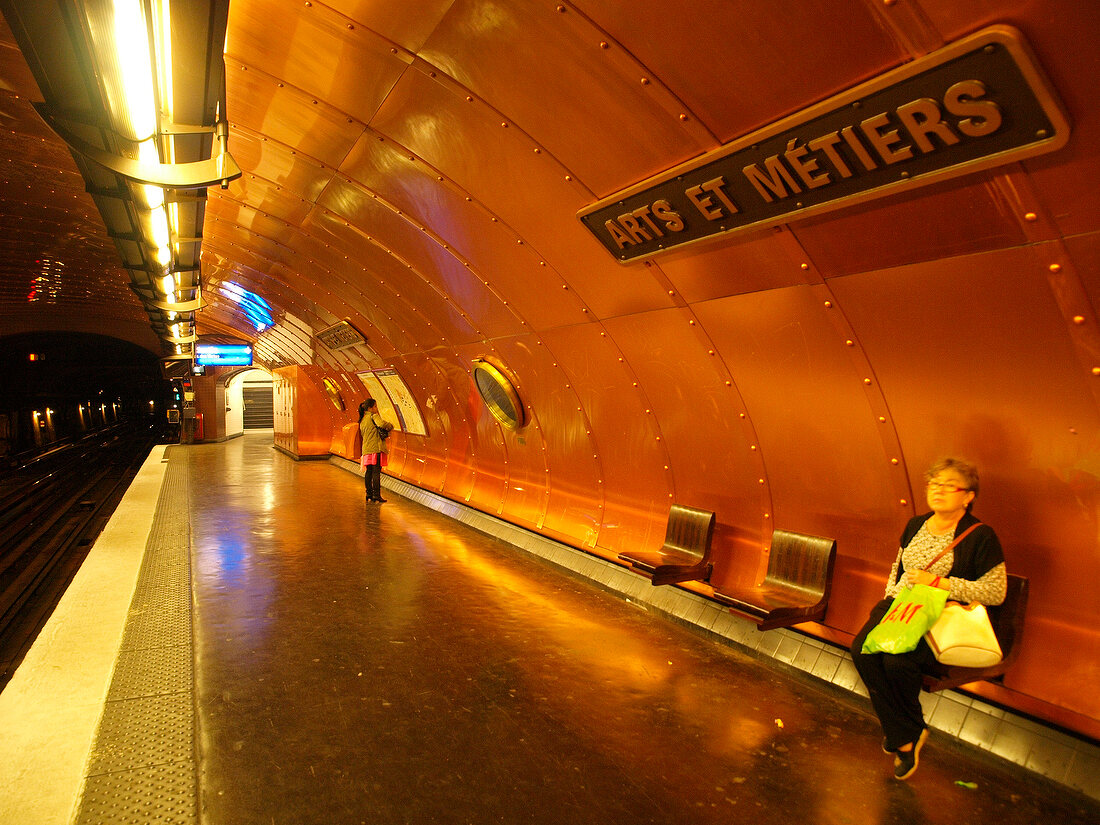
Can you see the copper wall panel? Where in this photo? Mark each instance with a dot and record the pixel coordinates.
(955, 218)
(471, 236)
(825, 467)
(715, 270)
(723, 61)
(451, 395)
(407, 244)
(407, 26)
(583, 95)
(634, 488)
(276, 179)
(715, 463)
(316, 50)
(1084, 251)
(396, 283)
(570, 511)
(439, 126)
(485, 239)
(288, 116)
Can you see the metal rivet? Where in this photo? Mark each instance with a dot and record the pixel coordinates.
(1031, 216)
(1078, 319)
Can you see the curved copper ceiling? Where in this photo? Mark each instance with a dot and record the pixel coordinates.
(417, 168)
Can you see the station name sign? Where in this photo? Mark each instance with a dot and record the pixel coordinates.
(977, 103)
(340, 335)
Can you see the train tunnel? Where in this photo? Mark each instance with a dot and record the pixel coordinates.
(765, 258)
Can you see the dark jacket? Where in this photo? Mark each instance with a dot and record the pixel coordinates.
(974, 556)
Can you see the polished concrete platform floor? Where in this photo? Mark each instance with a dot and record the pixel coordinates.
(382, 664)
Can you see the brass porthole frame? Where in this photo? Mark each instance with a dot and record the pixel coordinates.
(497, 391)
(332, 389)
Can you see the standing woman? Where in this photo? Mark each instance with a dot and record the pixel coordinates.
(374, 447)
(971, 571)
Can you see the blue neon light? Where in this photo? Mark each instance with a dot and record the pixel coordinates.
(256, 309)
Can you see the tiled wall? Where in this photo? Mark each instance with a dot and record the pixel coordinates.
(1044, 750)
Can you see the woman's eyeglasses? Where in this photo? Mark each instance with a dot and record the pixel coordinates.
(947, 488)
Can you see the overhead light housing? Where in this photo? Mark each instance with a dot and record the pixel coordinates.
(136, 88)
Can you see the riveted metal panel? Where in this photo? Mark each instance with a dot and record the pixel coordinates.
(442, 460)
(583, 95)
(721, 60)
(714, 460)
(571, 508)
(289, 116)
(277, 179)
(505, 173)
(760, 261)
(633, 486)
(469, 236)
(317, 50)
(950, 219)
(825, 462)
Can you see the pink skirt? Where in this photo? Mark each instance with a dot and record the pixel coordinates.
(372, 458)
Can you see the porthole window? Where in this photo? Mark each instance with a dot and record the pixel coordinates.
(498, 393)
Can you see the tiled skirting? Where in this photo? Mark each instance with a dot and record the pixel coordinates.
(1044, 750)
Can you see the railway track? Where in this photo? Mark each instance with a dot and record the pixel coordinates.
(52, 508)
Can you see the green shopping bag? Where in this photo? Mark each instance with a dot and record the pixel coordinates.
(914, 610)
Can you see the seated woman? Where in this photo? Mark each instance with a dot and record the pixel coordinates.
(972, 571)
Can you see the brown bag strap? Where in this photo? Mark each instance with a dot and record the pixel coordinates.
(951, 546)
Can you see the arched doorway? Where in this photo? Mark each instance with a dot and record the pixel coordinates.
(248, 402)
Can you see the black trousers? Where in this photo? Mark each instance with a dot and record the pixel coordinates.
(372, 479)
(893, 681)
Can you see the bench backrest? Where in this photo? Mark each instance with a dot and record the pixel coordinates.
(1007, 618)
(802, 561)
(689, 530)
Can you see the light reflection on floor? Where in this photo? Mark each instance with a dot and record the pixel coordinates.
(385, 664)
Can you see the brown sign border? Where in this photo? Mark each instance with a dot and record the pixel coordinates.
(671, 187)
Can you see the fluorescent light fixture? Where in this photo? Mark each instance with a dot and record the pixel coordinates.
(135, 68)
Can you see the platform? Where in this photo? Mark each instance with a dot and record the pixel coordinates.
(294, 655)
